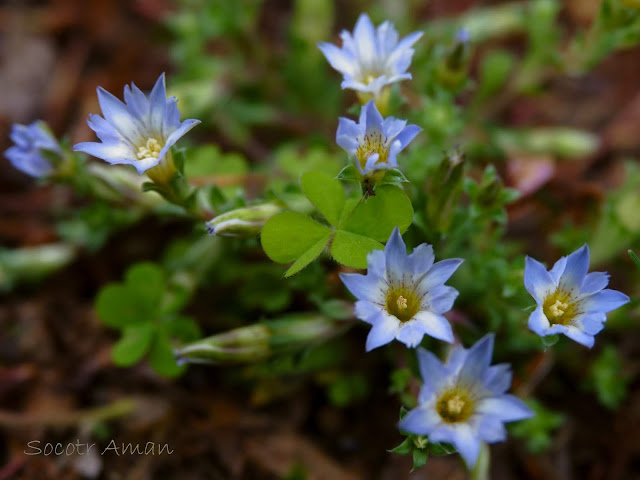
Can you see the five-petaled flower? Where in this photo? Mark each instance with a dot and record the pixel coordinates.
(372, 58)
(138, 132)
(34, 148)
(403, 296)
(374, 141)
(570, 301)
(463, 401)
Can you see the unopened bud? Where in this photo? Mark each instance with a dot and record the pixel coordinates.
(257, 342)
(242, 222)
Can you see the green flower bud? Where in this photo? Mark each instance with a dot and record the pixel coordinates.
(257, 342)
(242, 222)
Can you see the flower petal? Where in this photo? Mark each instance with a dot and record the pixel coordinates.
(365, 310)
(594, 282)
(432, 370)
(576, 269)
(577, 335)
(434, 325)
(420, 421)
(478, 359)
(439, 273)
(507, 408)
(422, 258)
(382, 332)
(498, 378)
(339, 59)
(363, 287)
(537, 280)
(538, 322)
(603, 301)
(397, 260)
(410, 333)
(491, 429)
(467, 443)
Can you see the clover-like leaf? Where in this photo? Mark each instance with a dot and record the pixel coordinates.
(376, 216)
(351, 249)
(117, 307)
(161, 356)
(325, 193)
(288, 235)
(133, 344)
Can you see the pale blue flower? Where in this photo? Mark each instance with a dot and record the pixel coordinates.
(372, 57)
(138, 132)
(403, 296)
(374, 142)
(570, 300)
(464, 401)
(34, 148)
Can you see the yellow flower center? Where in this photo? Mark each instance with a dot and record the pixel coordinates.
(559, 308)
(402, 304)
(373, 142)
(151, 149)
(454, 406)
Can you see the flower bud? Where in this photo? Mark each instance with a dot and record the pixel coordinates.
(242, 222)
(259, 341)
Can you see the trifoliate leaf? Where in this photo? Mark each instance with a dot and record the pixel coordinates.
(325, 193)
(376, 216)
(133, 345)
(351, 249)
(288, 235)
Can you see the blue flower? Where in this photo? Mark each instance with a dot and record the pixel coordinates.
(570, 301)
(138, 132)
(403, 296)
(372, 57)
(374, 142)
(33, 149)
(463, 401)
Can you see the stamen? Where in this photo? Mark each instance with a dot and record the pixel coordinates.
(455, 405)
(402, 303)
(150, 150)
(558, 308)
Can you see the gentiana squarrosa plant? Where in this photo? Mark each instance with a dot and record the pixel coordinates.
(374, 141)
(36, 151)
(570, 300)
(138, 132)
(404, 296)
(346, 221)
(371, 59)
(463, 401)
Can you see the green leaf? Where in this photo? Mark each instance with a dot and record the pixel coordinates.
(350, 173)
(608, 378)
(393, 176)
(162, 359)
(351, 249)
(309, 256)
(376, 216)
(117, 306)
(133, 345)
(288, 235)
(419, 458)
(326, 193)
(184, 328)
(635, 258)
(148, 283)
(404, 448)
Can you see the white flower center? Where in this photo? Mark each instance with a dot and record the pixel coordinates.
(558, 308)
(151, 149)
(402, 303)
